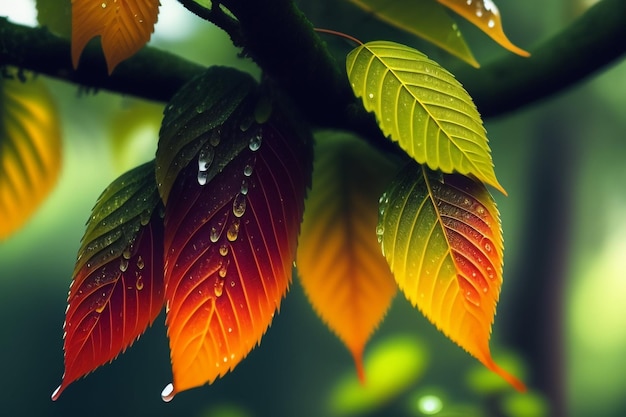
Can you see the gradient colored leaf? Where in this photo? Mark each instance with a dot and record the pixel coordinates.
(117, 286)
(484, 14)
(424, 18)
(231, 228)
(423, 107)
(344, 275)
(442, 239)
(30, 150)
(124, 26)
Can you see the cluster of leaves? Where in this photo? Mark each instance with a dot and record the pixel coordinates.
(210, 228)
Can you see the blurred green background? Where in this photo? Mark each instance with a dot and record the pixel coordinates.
(562, 316)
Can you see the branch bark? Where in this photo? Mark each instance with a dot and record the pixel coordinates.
(282, 41)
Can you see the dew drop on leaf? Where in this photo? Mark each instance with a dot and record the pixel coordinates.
(255, 141)
(224, 250)
(140, 262)
(239, 205)
(233, 230)
(218, 289)
(123, 264)
(244, 187)
(202, 177)
(139, 283)
(205, 158)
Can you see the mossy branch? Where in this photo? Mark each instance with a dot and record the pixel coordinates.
(282, 42)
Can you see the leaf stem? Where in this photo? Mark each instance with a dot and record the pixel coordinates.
(339, 34)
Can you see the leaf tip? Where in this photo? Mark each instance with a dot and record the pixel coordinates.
(358, 363)
(511, 379)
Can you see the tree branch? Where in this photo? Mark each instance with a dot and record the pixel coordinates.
(282, 41)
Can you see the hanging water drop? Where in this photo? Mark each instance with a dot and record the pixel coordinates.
(140, 263)
(247, 171)
(255, 141)
(126, 254)
(380, 230)
(246, 123)
(139, 283)
(168, 393)
(244, 187)
(224, 250)
(239, 205)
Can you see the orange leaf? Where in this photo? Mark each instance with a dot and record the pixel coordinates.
(117, 290)
(124, 25)
(344, 275)
(485, 15)
(441, 236)
(231, 229)
(30, 150)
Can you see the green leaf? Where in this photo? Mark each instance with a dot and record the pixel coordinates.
(30, 150)
(121, 211)
(201, 106)
(424, 18)
(423, 107)
(56, 16)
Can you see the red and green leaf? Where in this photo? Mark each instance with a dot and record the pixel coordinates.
(30, 150)
(344, 275)
(124, 26)
(441, 236)
(484, 14)
(231, 227)
(117, 286)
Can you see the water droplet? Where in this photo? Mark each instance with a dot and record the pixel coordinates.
(214, 236)
(168, 393)
(233, 230)
(224, 250)
(380, 230)
(218, 289)
(239, 205)
(480, 210)
(479, 13)
(225, 359)
(144, 218)
(140, 263)
(126, 254)
(216, 137)
(230, 330)
(123, 264)
(202, 177)
(255, 141)
(487, 247)
(371, 95)
(247, 171)
(490, 274)
(491, 23)
(139, 283)
(468, 290)
(232, 284)
(104, 5)
(205, 158)
(246, 123)
(244, 187)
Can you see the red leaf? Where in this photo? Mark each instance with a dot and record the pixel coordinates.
(230, 244)
(110, 306)
(117, 289)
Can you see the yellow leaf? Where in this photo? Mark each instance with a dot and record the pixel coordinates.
(484, 14)
(30, 150)
(342, 270)
(442, 238)
(124, 25)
